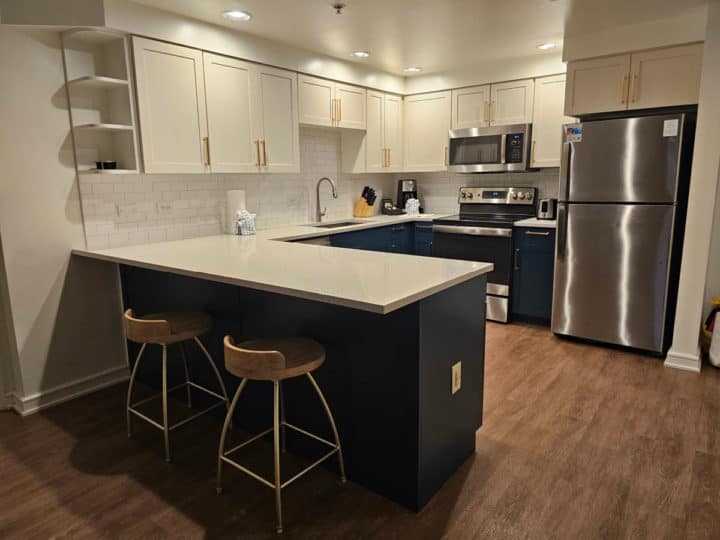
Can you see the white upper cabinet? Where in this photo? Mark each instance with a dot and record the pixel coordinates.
(232, 135)
(665, 77)
(317, 105)
(471, 107)
(349, 106)
(511, 103)
(548, 119)
(277, 119)
(327, 103)
(393, 127)
(641, 80)
(597, 85)
(375, 153)
(171, 105)
(427, 123)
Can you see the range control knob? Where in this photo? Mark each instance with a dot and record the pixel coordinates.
(522, 195)
(463, 195)
(514, 195)
(470, 195)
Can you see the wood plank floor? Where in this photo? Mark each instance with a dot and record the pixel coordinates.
(578, 442)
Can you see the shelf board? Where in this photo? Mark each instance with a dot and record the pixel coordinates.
(93, 35)
(105, 127)
(96, 81)
(109, 171)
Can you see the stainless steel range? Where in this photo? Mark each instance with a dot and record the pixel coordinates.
(483, 232)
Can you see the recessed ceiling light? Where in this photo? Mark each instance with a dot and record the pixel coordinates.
(360, 54)
(547, 46)
(412, 69)
(237, 15)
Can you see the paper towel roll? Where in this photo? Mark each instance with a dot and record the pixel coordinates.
(235, 199)
(715, 343)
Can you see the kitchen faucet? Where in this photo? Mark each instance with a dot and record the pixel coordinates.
(318, 212)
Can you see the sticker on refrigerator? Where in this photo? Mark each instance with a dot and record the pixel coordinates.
(573, 133)
(671, 127)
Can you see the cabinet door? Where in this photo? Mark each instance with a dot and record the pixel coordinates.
(427, 123)
(534, 262)
(315, 101)
(228, 90)
(277, 119)
(665, 77)
(597, 85)
(423, 239)
(393, 121)
(511, 103)
(171, 106)
(548, 119)
(471, 107)
(374, 137)
(350, 106)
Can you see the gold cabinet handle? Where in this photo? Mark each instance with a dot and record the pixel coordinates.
(635, 84)
(332, 111)
(624, 89)
(388, 158)
(486, 111)
(445, 157)
(257, 152)
(384, 157)
(339, 102)
(206, 145)
(264, 152)
(492, 111)
(532, 153)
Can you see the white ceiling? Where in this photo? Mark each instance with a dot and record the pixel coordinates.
(438, 35)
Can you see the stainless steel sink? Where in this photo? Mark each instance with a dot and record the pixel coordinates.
(336, 224)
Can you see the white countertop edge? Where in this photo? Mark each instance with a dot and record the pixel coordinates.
(381, 309)
(538, 223)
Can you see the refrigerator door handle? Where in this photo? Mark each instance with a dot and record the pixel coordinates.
(561, 230)
(564, 172)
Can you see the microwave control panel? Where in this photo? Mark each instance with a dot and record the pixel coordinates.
(514, 146)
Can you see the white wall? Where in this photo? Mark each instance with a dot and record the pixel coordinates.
(685, 27)
(51, 296)
(701, 205)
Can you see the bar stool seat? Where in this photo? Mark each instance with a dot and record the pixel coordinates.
(276, 360)
(164, 329)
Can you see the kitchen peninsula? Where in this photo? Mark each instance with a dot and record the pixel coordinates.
(393, 325)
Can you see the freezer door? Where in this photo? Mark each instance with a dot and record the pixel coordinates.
(622, 160)
(611, 273)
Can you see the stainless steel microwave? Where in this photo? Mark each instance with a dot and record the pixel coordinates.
(490, 149)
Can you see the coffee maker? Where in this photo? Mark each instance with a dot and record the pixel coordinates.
(407, 189)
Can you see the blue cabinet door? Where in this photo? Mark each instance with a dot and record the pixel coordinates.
(400, 238)
(423, 239)
(533, 268)
(375, 239)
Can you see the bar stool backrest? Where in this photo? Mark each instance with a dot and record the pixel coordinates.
(145, 330)
(252, 364)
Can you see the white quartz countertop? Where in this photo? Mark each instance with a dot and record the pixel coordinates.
(366, 280)
(535, 222)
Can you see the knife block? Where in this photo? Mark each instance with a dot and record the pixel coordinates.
(363, 209)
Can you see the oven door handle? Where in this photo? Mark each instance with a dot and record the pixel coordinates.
(473, 231)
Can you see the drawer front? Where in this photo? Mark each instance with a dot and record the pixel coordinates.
(536, 239)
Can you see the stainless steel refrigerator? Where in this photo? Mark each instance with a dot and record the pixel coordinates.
(621, 214)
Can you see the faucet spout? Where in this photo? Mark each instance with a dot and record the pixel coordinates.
(320, 212)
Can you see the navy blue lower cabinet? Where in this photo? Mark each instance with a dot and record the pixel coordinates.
(423, 239)
(375, 239)
(533, 267)
(400, 238)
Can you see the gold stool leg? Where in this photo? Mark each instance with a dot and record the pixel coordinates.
(332, 425)
(217, 373)
(283, 431)
(228, 419)
(166, 430)
(276, 451)
(187, 374)
(130, 387)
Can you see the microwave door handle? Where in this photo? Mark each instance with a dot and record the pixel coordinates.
(503, 141)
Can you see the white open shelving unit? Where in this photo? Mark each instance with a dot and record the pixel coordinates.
(101, 100)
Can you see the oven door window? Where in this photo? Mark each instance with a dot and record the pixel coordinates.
(482, 150)
(492, 249)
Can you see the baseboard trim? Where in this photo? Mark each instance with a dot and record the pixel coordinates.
(684, 361)
(33, 403)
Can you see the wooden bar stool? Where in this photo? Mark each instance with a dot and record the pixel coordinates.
(275, 360)
(167, 329)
